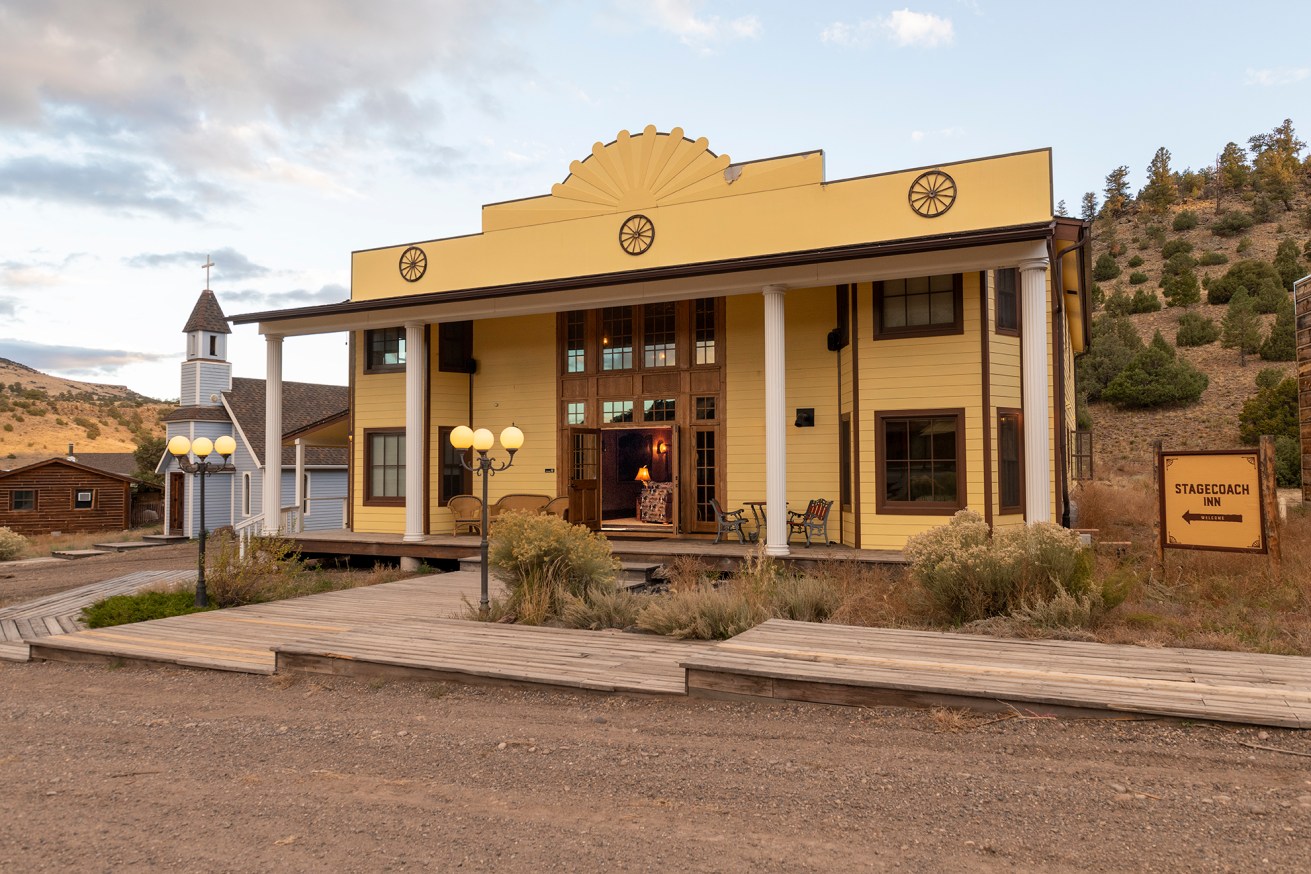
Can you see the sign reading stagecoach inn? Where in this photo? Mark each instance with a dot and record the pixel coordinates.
(900, 344)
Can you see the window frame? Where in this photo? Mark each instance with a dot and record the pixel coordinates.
(369, 366)
(919, 508)
(90, 503)
(956, 326)
(371, 500)
(1011, 413)
(1007, 330)
(844, 461)
(449, 456)
(13, 500)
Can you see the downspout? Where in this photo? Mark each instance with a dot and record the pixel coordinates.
(1058, 337)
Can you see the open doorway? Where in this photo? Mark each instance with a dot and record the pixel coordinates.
(638, 486)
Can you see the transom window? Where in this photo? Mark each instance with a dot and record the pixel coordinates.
(617, 338)
(704, 316)
(616, 411)
(576, 412)
(705, 409)
(22, 499)
(575, 328)
(384, 467)
(918, 306)
(658, 349)
(1008, 310)
(384, 350)
(921, 469)
(659, 410)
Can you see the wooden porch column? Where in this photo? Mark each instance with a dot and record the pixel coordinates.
(1036, 398)
(416, 442)
(775, 423)
(272, 433)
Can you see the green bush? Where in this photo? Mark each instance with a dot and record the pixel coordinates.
(1196, 330)
(1288, 264)
(1144, 301)
(1184, 220)
(601, 608)
(1263, 209)
(1137, 278)
(12, 544)
(1105, 268)
(1240, 328)
(1098, 296)
(968, 572)
(701, 614)
(1181, 289)
(1155, 233)
(1250, 274)
(1135, 261)
(1288, 462)
(1119, 303)
(270, 571)
(1231, 223)
(1176, 247)
(1210, 259)
(1244, 246)
(1281, 344)
(1115, 342)
(1156, 377)
(1179, 262)
(541, 558)
(1269, 377)
(1272, 410)
(141, 607)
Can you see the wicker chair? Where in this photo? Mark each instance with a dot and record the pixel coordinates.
(468, 511)
(559, 506)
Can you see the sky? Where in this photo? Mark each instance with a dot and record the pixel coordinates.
(139, 137)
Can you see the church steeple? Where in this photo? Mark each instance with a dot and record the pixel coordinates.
(206, 371)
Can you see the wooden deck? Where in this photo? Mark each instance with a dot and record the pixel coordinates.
(833, 664)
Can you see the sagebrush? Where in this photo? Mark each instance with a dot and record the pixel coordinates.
(12, 544)
(542, 559)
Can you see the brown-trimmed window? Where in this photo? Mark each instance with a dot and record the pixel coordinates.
(384, 467)
(455, 347)
(703, 316)
(617, 338)
(384, 350)
(660, 410)
(1010, 455)
(921, 457)
(84, 499)
(920, 306)
(575, 349)
(456, 478)
(575, 412)
(1006, 287)
(658, 332)
(22, 500)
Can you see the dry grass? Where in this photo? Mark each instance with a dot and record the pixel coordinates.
(44, 544)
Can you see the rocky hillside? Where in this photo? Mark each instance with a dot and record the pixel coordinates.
(41, 414)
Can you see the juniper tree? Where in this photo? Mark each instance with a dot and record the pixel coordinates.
(1241, 329)
(1276, 166)
(1287, 263)
(1160, 190)
(1281, 345)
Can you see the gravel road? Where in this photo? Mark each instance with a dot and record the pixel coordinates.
(27, 581)
(159, 769)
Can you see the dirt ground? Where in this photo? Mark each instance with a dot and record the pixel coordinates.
(26, 581)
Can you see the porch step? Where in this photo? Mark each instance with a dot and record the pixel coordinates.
(164, 538)
(632, 574)
(78, 553)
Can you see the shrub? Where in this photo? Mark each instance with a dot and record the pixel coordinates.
(1136, 261)
(967, 572)
(1196, 330)
(1263, 209)
(1269, 377)
(1244, 246)
(1250, 274)
(1241, 329)
(1272, 410)
(1176, 247)
(1137, 278)
(1119, 303)
(1231, 223)
(601, 608)
(1288, 462)
(271, 570)
(1179, 262)
(1288, 264)
(1144, 301)
(1115, 342)
(1155, 233)
(1105, 268)
(1281, 344)
(1184, 220)
(541, 558)
(701, 614)
(1210, 259)
(1181, 289)
(141, 607)
(12, 544)
(1156, 377)
(1099, 297)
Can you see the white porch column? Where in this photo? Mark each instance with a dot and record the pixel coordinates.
(1037, 399)
(775, 423)
(272, 433)
(416, 442)
(300, 484)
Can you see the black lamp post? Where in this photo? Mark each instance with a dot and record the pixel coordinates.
(181, 448)
(463, 438)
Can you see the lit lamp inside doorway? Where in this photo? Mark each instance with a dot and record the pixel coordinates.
(643, 476)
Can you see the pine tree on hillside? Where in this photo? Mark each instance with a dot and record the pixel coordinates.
(1116, 192)
(1160, 191)
(1276, 165)
(1241, 329)
(1281, 345)
(1156, 377)
(1088, 208)
(1287, 263)
(1231, 172)
(1181, 289)
(1060, 209)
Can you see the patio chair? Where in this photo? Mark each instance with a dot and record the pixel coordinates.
(559, 506)
(468, 511)
(812, 523)
(728, 521)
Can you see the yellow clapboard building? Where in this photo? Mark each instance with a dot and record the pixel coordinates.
(672, 329)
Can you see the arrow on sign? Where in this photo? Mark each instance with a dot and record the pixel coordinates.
(1191, 517)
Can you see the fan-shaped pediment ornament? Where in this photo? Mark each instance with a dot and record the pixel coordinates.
(641, 171)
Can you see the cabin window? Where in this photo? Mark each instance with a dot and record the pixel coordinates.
(245, 494)
(384, 350)
(22, 500)
(575, 330)
(455, 347)
(617, 338)
(384, 467)
(658, 348)
(918, 307)
(1006, 285)
(84, 499)
(921, 463)
(705, 333)
(456, 478)
(1010, 471)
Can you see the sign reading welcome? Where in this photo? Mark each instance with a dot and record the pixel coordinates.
(1212, 500)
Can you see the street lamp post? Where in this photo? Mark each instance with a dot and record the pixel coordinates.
(464, 437)
(180, 448)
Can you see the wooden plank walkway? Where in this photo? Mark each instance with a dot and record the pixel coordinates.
(838, 664)
(61, 613)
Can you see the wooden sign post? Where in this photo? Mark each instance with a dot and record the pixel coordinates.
(1212, 500)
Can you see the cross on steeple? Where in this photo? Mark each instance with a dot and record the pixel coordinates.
(208, 264)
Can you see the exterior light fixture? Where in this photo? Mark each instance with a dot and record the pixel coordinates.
(465, 438)
(202, 468)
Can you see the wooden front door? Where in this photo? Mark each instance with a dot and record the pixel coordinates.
(177, 492)
(585, 477)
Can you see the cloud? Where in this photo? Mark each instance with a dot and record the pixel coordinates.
(35, 274)
(74, 360)
(902, 28)
(330, 293)
(680, 18)
(8, 306)
(947, 133)
(229, 264)
(1277, 76)
(114, 184)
